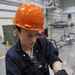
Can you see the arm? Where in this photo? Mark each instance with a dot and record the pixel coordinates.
(57, 66)
(53, 60)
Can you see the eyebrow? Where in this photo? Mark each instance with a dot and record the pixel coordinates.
(31, 34)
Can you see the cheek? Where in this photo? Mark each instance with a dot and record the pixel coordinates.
(24, 39)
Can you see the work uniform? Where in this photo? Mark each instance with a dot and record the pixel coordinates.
(19, 62)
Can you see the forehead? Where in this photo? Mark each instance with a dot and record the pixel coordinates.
(30, 31)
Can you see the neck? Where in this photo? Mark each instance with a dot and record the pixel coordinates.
(28, 51)
(25, 48)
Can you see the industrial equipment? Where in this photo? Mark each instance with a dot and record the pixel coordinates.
(9, 34)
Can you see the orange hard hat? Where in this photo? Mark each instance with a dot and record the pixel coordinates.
(30, 17)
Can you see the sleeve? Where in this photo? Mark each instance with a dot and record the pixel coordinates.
(61, 72)
(51, 53)
(12, 67)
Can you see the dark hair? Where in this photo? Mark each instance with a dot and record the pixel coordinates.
(46, 31)
(19, 28)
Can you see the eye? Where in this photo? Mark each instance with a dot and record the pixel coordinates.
(29, 35)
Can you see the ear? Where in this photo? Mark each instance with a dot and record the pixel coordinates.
(17, 32)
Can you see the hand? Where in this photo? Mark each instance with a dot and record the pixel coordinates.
(61, 72)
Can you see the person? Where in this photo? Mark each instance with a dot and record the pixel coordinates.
(32, 54)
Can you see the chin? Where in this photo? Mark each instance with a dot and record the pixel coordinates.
(31, 46)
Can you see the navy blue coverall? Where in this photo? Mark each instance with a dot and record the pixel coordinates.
(18, 62)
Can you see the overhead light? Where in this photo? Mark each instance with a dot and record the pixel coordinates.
(51, 6)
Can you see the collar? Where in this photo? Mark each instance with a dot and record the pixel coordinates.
(19, 49)
(18, 46)
(23, 54)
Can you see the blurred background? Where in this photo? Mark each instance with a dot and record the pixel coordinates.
(59, 18)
